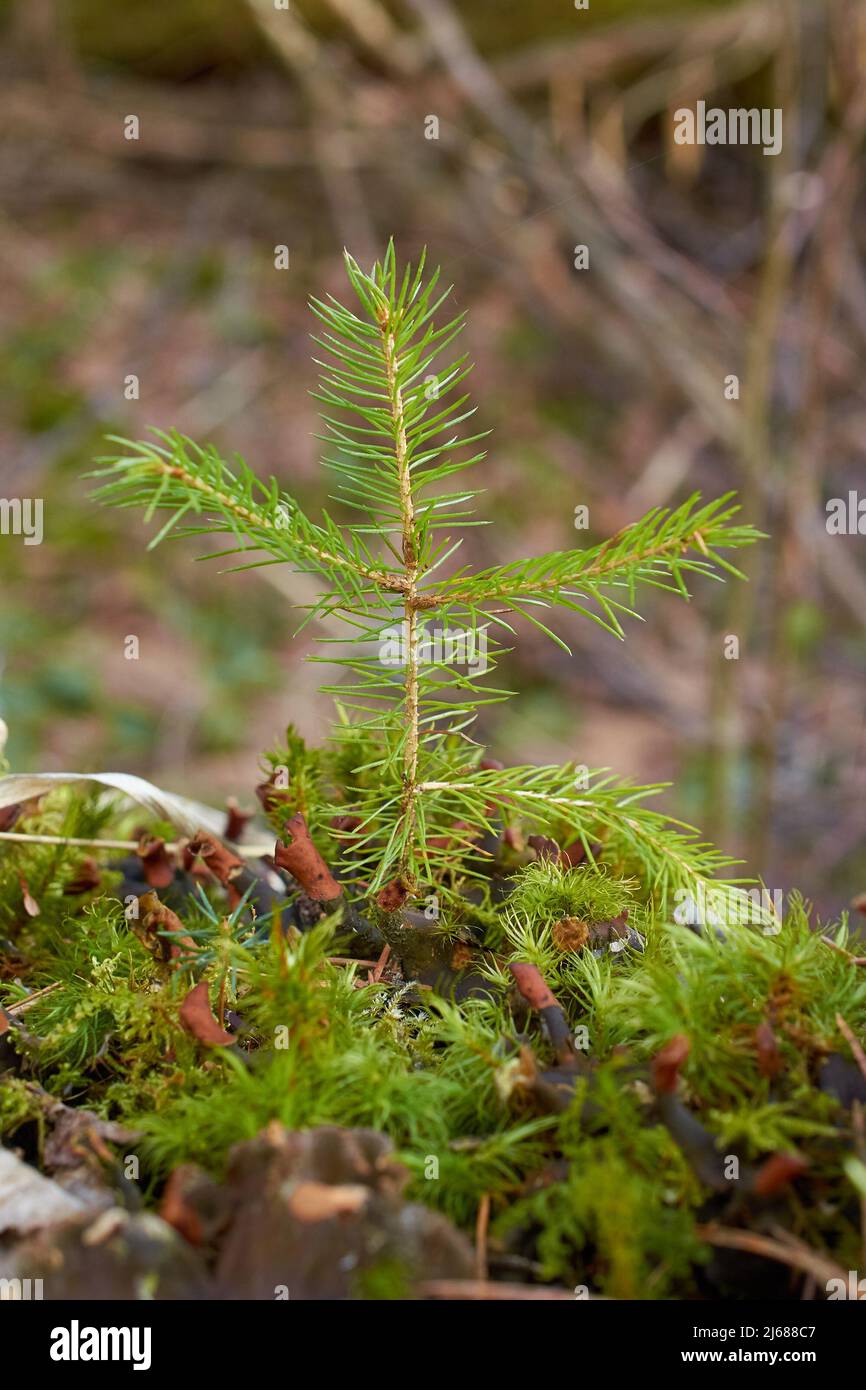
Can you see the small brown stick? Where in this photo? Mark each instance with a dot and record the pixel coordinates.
(482, 1224)
(24, 1004)
(535, 990)
(856, 1050)
(376, 975)
(248, 851)
(482, 1290)
(859, 1123)
(788, 1252)
(855, 960)
(667, 1062)
(533, 986)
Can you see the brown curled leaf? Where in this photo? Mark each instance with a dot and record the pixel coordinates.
(613, 930)
(236, 820)
(31, 906)
(155, 917)
(777, 1172)
(303, 861)
(197, 1018)
(157, 865)
(667, 1063)
(575, 853)
(274, 797)
(222, 862)
(544, 848)
(10, 814)
(88, 877)
(513, 839)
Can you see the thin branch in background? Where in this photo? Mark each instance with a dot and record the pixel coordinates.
(784, 1249)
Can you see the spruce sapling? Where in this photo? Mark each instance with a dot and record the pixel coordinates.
(418, 800)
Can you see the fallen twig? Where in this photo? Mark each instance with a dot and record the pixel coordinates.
(856, 1050)
(482, 1290)
(788, 1252)
(75, 841)
(482, 1223)
(855, 960)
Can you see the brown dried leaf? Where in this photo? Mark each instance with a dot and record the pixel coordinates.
(31, 906)
(303, 861)
(777, 1172)
(237, 820)
(667, 1062)
(223, 863)
(157, 864)
(155, 917)
(197, 1018)
(88, 878)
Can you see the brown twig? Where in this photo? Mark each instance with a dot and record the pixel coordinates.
(77, 842)
(481, 1290)
(855, 960)
(24, 1004)
(859, 1126)
(856, 1050)
(482, 1223)
(784, 1250)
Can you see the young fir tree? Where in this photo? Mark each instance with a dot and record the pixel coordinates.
(417, 797)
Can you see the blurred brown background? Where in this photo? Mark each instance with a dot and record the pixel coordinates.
(604, 387)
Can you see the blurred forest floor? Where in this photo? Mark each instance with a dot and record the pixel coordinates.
(603, 387)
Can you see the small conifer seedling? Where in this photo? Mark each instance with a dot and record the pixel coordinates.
(404, 803)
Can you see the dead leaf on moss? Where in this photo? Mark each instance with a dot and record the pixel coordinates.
(88, 878)
(197, 1017)
(187, 815)
(31, 906)
(154, 918)
(157, 865)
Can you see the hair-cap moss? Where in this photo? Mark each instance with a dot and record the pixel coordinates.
(547, 892)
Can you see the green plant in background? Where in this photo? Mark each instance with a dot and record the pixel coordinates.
(420, 634)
